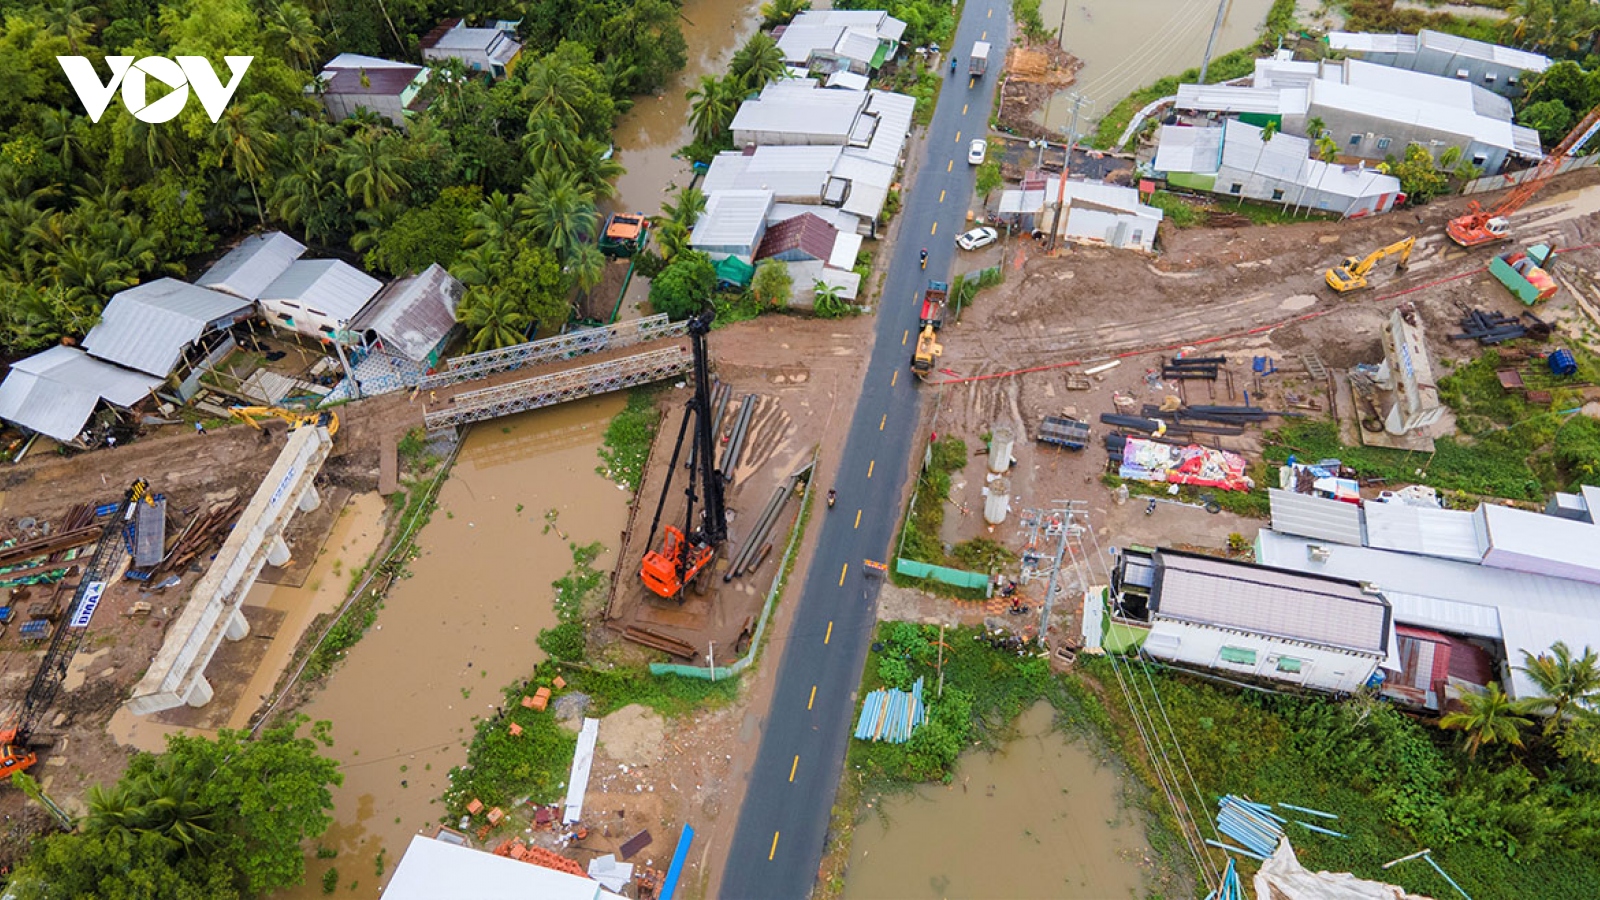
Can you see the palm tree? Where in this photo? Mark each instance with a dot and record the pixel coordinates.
(558, 211)
(588, 266)
(64, 135)
(553, 88)
(758, 62)
(684, 209)
(1490, 718)
(71, 21)
(711, 108)
(481, 264)
(549, 143)
(597, 168)
(673, 238)
(1268, 132)
(293, 33)
(494, 318)
(1315, 127)
(244, 138)
(371, 162)
(494, 222)
(1570, 684)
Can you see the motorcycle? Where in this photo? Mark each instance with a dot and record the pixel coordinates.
(924, 259)
(832, 496)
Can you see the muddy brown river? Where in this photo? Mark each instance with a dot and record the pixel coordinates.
(460, 628)
(1040, 818)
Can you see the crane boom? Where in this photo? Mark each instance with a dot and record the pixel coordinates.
(1480, 226)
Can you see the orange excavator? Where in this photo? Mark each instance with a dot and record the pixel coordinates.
(686, 551)
(1485, 226)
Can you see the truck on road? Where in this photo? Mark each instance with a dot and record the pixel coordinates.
(980, 59)
(929, 320)
(933, 301)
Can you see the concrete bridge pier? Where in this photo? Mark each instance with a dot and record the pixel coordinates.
(238, 627)
(277, 552)
(199, 692)
(309, 501)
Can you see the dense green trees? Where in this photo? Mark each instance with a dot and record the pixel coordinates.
(684, 287)
(206, 819)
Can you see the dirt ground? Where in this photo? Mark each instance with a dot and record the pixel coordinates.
(1034, 74)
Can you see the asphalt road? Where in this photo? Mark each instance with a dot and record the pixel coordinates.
(778, 845)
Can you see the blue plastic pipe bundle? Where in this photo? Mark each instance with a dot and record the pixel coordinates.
(1253, 825)
(890, 715)
(1230, 888)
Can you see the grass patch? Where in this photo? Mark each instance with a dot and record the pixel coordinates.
(1492, 468)
(1252, 504)
(1177, 211)
(1280, 21)
(921, 536)
(628, 438)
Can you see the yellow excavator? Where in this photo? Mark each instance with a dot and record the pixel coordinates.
(1351, 275)
(927, 353)
(252, 416)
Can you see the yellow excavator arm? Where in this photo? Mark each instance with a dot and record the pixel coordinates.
(1351, 274)
(251, 415)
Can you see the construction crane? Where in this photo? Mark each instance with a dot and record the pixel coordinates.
(1485, 226)
(686, 551)
(16, 748)
(1351, 275)
(251, 415)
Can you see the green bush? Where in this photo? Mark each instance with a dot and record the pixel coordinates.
(628, 438)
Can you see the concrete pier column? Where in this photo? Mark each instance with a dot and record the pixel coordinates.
(200, 693)
(311, 500)
(238, 627)
(277, 552)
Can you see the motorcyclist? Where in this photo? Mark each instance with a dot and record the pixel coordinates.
(832, 496)
(924, 257)
(952, 67)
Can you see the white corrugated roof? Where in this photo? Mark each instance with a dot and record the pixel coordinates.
(1284, 157)
(847, 79)
(1362, 42)
(861, 46)
(146, 327)
(54, 392)
(246, 270)
(1521, 60)
(330, 287)
(885, 25)
(894, 114)
(788, 107)
(1407, 110)
(791, 173)
(1446, 533)
(435, 870)
(799, 40)
(1569, 544)
(807, 273)
(732, 219)
(846, 247)
(1315, 517)
(1185, 149)
(357, 61)
(1525, 142)
(1349, 181)
(1458, 597)
(842, 221)
(1276, 73)
(411, 315)
(1421, 87)
(1315, 609)
(1228, 99)
(869, 183)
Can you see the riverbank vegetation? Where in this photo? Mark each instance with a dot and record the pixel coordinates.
(628, 438)
(208, 818)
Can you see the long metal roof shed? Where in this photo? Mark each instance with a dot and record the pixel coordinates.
(1316, 517)
(246, 270)
(1447, 533)
(328, 287)
(54, 392)
(412, 315)
(1526, 612)
(436, 870)
(1534, 542)
(148, 326)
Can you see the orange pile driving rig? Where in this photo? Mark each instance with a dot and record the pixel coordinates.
(1485, 226)
(686, 552)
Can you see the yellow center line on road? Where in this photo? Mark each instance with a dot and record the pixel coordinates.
(884, 421)
(870, 464)
(985, 36)
(958, 137)
(895, 378)
(843, 570)
(950, 166)
(935, 228)
(858, 518)
(964, 109)
(774, 851)
(826, 638)
(905, 337)
(990, 15)
(813, 697)
(792, 767)
(941, 196)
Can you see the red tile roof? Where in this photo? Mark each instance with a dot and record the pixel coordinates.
(808, 232)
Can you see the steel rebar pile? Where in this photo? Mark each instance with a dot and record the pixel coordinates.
(1488, 327)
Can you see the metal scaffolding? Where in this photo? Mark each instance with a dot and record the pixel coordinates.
(1065, 521)
(547, 390)
(562, 346)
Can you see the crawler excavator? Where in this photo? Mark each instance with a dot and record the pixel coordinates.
(1485, 226)
(251, 415)
(1351, 275)
(685, 552)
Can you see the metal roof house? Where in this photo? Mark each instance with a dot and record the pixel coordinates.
(733, 224)
(1532, 542)
(827, 41)
(786, 114)
(167, 328)
(1093, 212)
(433, 869)
(412, 317)
(351, 81)
(318, 297)
(793, 174)
(801, 238)
(1491, 66)
(1518, 610)
(246, 270)
(491, 50)
(55, 392)
(1233, 160)
(1323, 633)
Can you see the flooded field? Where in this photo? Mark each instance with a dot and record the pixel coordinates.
(1125, 46)
(460, 628)
(1041, 818)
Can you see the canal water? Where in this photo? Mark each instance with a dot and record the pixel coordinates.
(1042, 817)
(1127, 45)
(459, 628)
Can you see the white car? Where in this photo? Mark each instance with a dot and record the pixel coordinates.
(978, 152)
(977, 238)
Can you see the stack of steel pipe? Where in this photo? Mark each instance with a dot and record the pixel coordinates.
(719, 402)
(1188, 368)
(1253, 825)
(741, 427)
(746, 556)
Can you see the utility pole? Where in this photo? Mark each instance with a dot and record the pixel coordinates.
(1222, 6)
(1061, 522)
(1066, 164)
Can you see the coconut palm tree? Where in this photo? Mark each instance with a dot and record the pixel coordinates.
(294, 35)
(588, 266)
(70, 20)
(1315, 127)
(711, 109)
(244, 139)
(371, 163)
(1489, 718)
(757, 63)
(558, 211)
(494, 222)
(1571, 684)
(597, 168)
(684, 209)
(493, 318)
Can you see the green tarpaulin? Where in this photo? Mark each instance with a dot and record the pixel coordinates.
(735, 271)
(956, 577)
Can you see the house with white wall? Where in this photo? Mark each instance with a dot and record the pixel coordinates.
(491, 49)
(318, 298)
